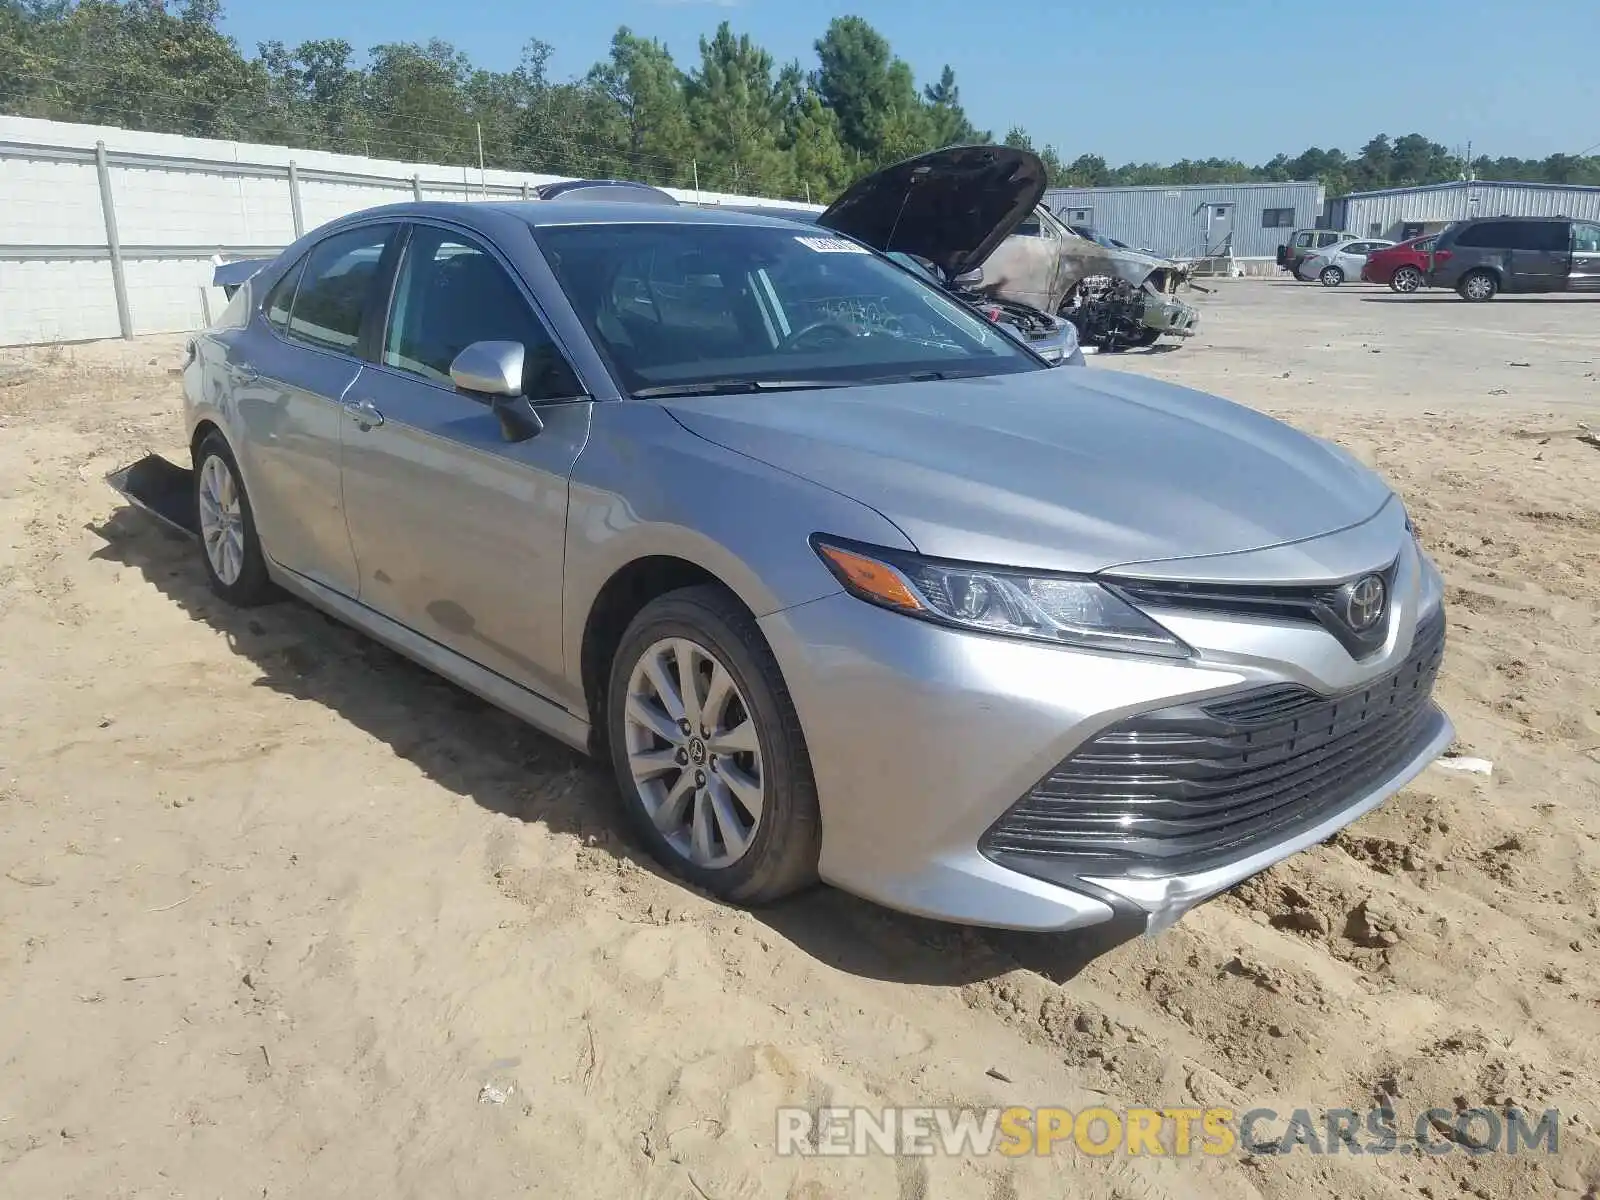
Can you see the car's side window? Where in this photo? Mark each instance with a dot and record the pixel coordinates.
(1303, 239)
(1586, 238)
(451, 292)
(1327, 239)
(1552, 236)
(336, 288)
(1030, 227)
(281, 297)
(1504, 235)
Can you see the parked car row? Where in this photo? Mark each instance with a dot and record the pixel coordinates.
(1478, 259)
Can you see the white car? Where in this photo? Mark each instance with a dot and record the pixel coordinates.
(1341, 261)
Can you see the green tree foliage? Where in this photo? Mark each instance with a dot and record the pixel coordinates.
(736, 107)
(949, 124)
(734, 120)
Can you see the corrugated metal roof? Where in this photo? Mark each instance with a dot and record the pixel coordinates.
(1462, 183)
(1183, 187)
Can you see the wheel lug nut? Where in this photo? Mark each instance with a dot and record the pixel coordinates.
(700, 778)
(683, 757)
(683, 726)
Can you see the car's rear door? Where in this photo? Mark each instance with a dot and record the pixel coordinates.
(1585, 274)
(459, 532)
(1352, 257)
(289, 371)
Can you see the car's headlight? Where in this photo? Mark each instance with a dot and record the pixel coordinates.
(1062, 609)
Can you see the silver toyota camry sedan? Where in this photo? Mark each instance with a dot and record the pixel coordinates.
(840, 579)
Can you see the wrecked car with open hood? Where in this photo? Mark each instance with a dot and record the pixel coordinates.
(974, 212)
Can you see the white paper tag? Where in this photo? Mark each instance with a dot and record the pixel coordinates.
(828, 245)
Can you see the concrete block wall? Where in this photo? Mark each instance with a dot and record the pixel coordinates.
(179, 202)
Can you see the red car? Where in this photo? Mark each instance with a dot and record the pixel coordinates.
(1403, 267)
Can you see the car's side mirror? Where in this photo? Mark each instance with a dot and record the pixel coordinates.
(489, 368)
(494, 369)
(970, 279)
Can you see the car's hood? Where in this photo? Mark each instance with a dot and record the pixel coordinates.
(951, 207)
(1060, 470)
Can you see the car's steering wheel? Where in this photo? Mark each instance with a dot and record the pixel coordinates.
(826, 324)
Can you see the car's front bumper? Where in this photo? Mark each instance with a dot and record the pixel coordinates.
(1170, 315)
(922, 737)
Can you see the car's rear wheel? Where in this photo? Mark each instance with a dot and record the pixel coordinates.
(1331, 276)
(1406, 280)
(230, 546)
(1478, 286)
(708, 752)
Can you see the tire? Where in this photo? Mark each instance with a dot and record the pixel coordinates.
(1331, 276)
(230, 547)
(689, 811)
(1406, 280)
(1478, 286)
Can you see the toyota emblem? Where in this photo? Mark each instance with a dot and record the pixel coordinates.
(1364, 603)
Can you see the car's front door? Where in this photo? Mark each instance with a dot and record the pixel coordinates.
(1585, 276)
(1541, 255)
(289, 371)
(1024, 266)
(459, 532)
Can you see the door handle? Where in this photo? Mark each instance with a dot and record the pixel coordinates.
(243, 373)
(365, 414)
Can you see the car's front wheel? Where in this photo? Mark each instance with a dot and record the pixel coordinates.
(1478, 285)
(231, 547)
(1331, 276)
(708, 752)
(1406, 280)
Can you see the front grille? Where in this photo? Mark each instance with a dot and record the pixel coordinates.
(1183, 788)
(1317, 603)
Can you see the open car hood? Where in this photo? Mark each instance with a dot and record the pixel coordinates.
(951, 207)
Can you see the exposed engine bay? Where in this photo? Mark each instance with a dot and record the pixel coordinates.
(1110, 313)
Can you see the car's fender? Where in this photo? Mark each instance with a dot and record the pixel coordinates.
(645, 486)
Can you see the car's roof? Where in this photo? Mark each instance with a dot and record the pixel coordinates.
(1529, 220)
(576, 211)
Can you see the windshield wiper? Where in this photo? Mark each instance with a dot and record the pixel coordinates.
(733, 387)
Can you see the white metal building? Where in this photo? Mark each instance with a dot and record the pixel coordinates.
(1401, 213)
(1248, 220)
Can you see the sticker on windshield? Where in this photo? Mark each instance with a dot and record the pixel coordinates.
(828, 245)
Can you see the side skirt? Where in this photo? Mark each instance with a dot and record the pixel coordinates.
(542, 714)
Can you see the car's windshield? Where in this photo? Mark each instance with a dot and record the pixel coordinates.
(684, 305)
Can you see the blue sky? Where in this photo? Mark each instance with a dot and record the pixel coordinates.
(1147, 80)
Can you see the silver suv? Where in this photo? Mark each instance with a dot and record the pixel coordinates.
(838, 578)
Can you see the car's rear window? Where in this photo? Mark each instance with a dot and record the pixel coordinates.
(673, 304)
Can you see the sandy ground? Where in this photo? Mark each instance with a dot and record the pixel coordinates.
(275, 906)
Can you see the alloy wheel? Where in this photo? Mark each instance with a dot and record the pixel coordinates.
(221, 520)
(694, 753)
(1407, 279)
(1479, 287)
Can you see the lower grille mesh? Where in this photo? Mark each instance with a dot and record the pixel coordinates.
(1184, 787)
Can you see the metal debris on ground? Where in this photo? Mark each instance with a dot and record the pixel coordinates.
(1472, 766)
(493, 1094)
